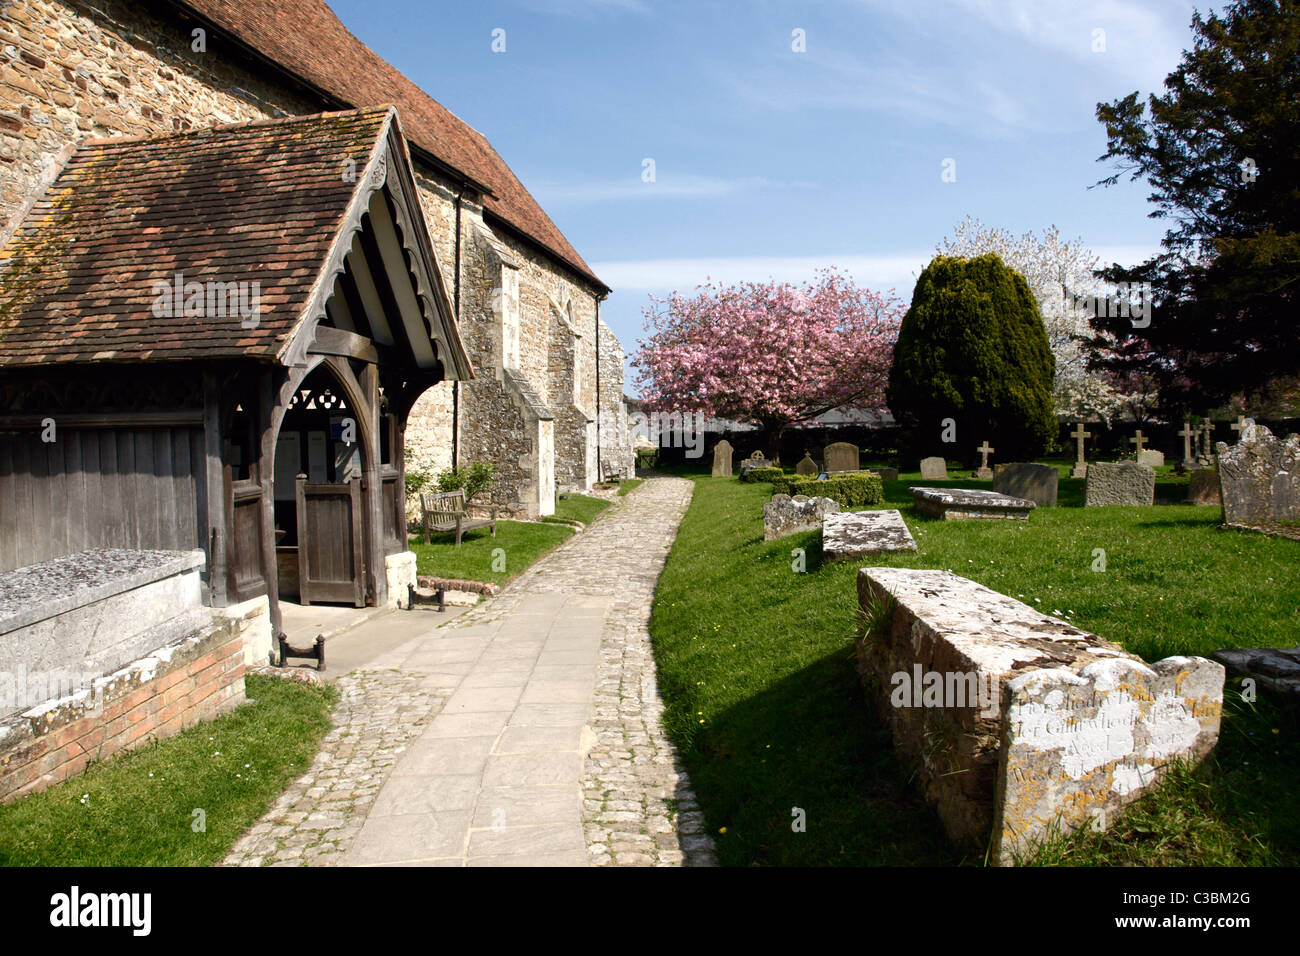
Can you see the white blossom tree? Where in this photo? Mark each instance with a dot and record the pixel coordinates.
(1059, 273)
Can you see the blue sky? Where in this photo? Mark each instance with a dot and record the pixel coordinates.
(769, 162)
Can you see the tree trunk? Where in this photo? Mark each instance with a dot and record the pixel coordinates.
(774, 432)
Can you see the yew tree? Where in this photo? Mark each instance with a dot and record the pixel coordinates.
(771, 353)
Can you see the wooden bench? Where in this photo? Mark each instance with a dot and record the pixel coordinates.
(445, 512)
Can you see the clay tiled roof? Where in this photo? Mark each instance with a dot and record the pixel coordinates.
(307, 39)
(257, 202)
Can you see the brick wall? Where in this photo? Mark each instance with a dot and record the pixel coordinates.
(155, 697)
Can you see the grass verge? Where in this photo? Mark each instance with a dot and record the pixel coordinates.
(138, 809)
(520, 544)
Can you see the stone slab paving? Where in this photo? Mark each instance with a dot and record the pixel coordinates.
(538, 739)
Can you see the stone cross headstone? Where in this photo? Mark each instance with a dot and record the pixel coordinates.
(1186, 435)
(1207, 442)
(1239, 426)
(1080, 469)
(984, 470)
(840, 457)
(807, 466)
(934, 469)
(722, 459)
(1139, 440)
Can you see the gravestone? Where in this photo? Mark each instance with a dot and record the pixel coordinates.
(1207, 443)
(1119, 483)
(1023, 479)
(853, 534)
(807, 466)
(1203, 487)
(887, 474)
(1260, 479)
(756, 460)
(950, 504)
(722, 459)
(1016, 722)
(1150, 458)
(934, 469)
(841, 456)
(984, 471)
(1273, 668)
(1080, 469)
(1187, 433)
(784, 515)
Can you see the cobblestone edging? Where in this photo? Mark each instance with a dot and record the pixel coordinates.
(315, 821)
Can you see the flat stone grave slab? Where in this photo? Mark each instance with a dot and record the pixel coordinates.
(852, 534)
(784, 515)
(1017, 722)
(1024, 479)
(1119, 483)
(956, 503)
(1274, 668)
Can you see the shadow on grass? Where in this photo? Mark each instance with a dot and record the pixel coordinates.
(807, 749)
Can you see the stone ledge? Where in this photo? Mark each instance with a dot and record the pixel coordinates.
(955, 503)
(39, 591)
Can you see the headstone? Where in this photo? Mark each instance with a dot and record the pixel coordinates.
(1080, 469)
(1139, 441)
(1150, 458)
(853, 534)
(784, 515)
(950, 504)
(841, 456)
(1203, 487)
(722, 459)
(984, 471)
(1207, 443)
(756, 460)
(934, 469)
(807, 466)
(1119, 483)
(1239, 426)
(1187, 433)
(1023, 479)
(1260, 479)
(1016, 722)
(887, 474)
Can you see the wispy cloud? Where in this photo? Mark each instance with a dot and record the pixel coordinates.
(897, 271)
(663, 187)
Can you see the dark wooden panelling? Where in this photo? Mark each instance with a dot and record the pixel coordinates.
(93, 487)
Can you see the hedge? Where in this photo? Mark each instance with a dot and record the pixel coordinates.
(854, 490)
(770, 473)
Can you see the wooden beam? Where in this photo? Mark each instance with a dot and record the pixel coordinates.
(369, 295)
(108, 419)
(399, 280)
(330, 341)
(268, 424)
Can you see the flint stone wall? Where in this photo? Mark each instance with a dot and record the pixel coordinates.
(1260, 478)
(1037, 722)
(1118, 483)
(784, 515)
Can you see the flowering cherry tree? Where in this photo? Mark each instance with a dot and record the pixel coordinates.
(771, 353)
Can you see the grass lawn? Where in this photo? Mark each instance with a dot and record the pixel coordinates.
(756, 667)
(629, 484)
(137, 809)
(521, 544)
(582, 508)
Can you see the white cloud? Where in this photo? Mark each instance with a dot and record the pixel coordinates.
(664, 187)
(880, 272)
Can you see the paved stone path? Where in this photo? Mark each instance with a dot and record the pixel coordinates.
(525, 732)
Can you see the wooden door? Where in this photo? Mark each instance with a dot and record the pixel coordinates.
(331, 566)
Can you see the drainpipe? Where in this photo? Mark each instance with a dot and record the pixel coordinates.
(455, 386)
